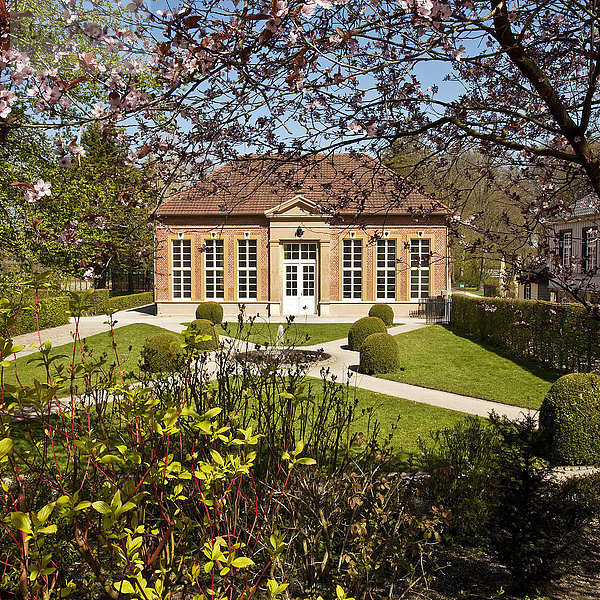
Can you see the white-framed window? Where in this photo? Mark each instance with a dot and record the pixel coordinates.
(420, 255)
(386, 269)
(527, 291)
(214, 270)
(565, 248)
(589, 248)
(352, 269)
(247, 270)
(181, 269)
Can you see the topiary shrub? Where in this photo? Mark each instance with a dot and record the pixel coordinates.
(384, 312)
(362, 329)
(162, 353)
(212, 311)
(379, 354)
(205, 327)
(570, 419)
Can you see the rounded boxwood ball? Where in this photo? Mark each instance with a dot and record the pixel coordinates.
(362, 329)
(205, 327)
(570, 419)
(384, 312)
(212, 311)
(162, 353)
(379, 354)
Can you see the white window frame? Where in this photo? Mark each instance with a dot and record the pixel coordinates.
(181, 268)
(247, 269)
(385, 269)
(352, 269)
(213, 270)
(419, 269)
(565, 248)
(527, 291)
(589, 252)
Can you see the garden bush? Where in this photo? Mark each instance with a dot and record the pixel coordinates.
(491, 290)
(379, 354)
(570, 419)
(502, 497)
(205, 327)
(362, 329)
(384, 312)
(162, 353)
(212, 311)
(51, 312)
(561, 337)
(130, 301)
(99, 301)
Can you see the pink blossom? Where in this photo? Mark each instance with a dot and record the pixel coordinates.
(75, 149)
(281, 8)
(308, 9)
(326, 4)
(356, 127)
(42, 188)
(97, 110)
(4, 109)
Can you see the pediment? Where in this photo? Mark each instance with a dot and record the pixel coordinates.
(298, 206)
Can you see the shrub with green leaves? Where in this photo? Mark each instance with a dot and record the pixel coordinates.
(162, 353)
(204, 327)
(379, 354)
(384, 312)
(570, 419)
(212, 311)
(362, 329)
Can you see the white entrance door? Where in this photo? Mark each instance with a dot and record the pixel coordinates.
(300, 279)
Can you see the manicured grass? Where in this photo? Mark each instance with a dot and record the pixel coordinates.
(129, 340)
(403, 420)
(437, 358)
(470, 290)
(295, 333)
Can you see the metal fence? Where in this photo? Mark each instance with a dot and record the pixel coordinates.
(433, 310)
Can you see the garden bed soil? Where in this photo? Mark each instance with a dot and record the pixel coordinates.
(285, 356)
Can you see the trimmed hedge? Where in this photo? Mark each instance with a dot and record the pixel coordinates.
(379, 354)
(212, 311)
(99, 302)
(570, 419)
(561, 337)
(52, 312)
(384, 312)
(362, 329)
(205, 327)
(162, 353)
(130, 301)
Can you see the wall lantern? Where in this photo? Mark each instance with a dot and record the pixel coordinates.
(299, 232)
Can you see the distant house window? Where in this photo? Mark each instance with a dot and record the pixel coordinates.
(214, 270)
(352, 269)
(527, 291)
(565, 248)
(386, 269)
(247, 270)
(420, 255)
(589, 248)
(181, 268)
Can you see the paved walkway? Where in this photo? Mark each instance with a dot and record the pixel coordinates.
(344, 364)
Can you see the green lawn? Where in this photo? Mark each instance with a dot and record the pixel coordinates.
(295, 333)
(470, 290)
(404, 420)
(129, 340)
(435, 357)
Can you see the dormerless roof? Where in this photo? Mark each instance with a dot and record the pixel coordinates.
(336, 183)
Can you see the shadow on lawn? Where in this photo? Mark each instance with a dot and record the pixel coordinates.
(531, 367)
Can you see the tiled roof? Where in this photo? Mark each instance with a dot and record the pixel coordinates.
(337, 183)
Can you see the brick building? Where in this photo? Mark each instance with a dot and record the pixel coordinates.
(328, 235)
